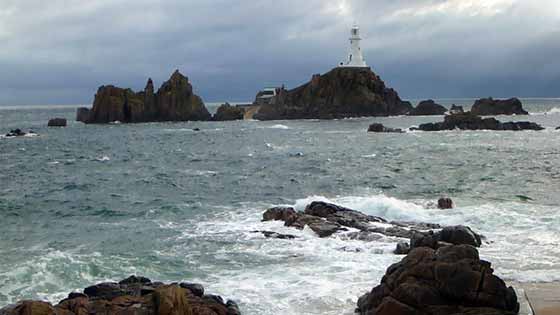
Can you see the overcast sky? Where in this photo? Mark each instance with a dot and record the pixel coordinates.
(60, 51)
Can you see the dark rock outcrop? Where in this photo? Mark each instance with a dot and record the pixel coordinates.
(451, 280)
(451, 235)
(82, 114)
(227, 112)
(19, 133)
(490, 106)
(445, 203)
(428, 108)
(456, 109)
(174, 101)
(380, 128)
(470, 121)
(340, 93)
(57, 122)
(134, 295)
(326, 219)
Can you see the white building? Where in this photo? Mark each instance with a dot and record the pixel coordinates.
(355, 58)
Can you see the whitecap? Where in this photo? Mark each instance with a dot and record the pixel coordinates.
(103, 159)
(279, 126)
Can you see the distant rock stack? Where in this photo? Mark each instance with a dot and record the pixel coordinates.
(489, 107)
(174, 101)
(428, 108)
(340, 93)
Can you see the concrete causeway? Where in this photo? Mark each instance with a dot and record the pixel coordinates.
(538, 298)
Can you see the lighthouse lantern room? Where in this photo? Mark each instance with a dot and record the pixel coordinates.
(355, 58)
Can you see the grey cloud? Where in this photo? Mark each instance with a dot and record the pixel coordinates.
(61, 51)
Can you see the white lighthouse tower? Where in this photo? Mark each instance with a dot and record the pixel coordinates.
(355, 58)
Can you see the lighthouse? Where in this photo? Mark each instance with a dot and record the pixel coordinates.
(355, 58)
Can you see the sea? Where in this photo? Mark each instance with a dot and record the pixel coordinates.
(91, 203)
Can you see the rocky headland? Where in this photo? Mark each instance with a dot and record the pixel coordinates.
(471, 121)
(340, 93)
(428, 108)
(491, 107)
(133, 295)
(174, 101)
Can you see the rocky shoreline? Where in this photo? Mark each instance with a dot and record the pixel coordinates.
(133, 295)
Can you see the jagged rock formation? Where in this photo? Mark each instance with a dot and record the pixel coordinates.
(57, 122)
(470, 121)
(489, 107)
(174, 101)
(449, 281)
(428, 108)
(134, 295)
(340, 93)
(227, 112)
(376, 127)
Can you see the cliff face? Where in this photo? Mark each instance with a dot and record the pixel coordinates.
(174, 101)
(340, 93)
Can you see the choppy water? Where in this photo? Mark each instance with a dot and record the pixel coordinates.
(89, 203)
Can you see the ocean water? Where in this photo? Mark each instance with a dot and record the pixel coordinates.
(90, 203)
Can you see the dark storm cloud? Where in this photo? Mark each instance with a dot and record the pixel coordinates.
(60, 51)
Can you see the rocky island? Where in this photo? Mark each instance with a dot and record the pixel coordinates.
(174, 101)
(340, 93)
(490, 107)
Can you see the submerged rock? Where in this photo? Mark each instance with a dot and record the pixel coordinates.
(340, 93)
(19, 133)
(470, 121)
(174, 101)
(134, 295)
(428, 108)
(270, 234)
(380, 128)
(57, 122)
(451, 280)
(490, 106)
(227, 112)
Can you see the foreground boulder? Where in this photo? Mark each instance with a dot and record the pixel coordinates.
(380, 128)
(174, 101)
(490, 106)
(134, 295)
(428, 108)
(227, 112)
(340, 93)
(470, 121)
(57, 122)
(451, 280)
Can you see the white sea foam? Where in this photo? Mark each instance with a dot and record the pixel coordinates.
(552, 111)
(103, 159)
(279, 126)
